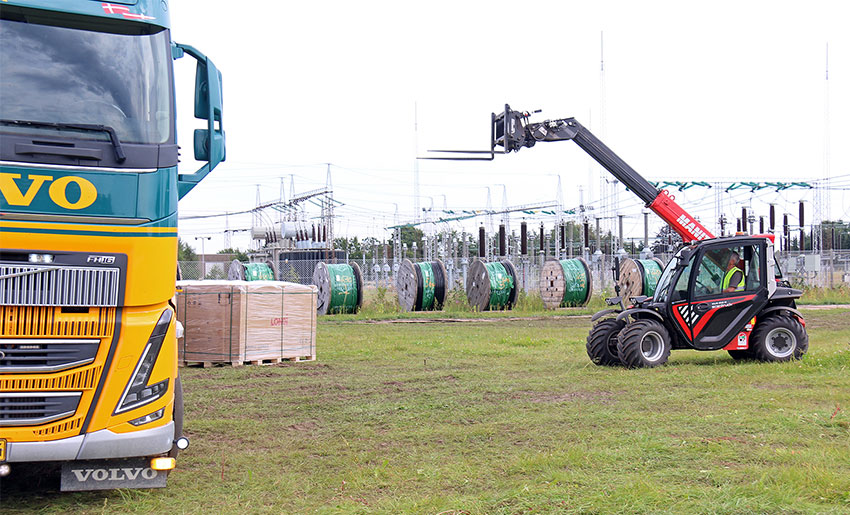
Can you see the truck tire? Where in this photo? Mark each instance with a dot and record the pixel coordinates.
(643, 344)
(178, 415)
(779, 338)
(602, 342)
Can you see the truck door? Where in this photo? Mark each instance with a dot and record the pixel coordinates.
(728, 289)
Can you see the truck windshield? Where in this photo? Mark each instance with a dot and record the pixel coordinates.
(64, 75)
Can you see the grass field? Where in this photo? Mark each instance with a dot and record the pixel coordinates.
(502, 416)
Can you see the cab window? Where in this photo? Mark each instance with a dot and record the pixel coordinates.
(680, 292)
(728, 270)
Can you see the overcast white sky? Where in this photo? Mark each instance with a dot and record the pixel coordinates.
(716, 91)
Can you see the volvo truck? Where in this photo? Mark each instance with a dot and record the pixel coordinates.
(89, 382)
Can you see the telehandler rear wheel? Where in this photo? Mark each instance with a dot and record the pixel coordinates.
(602, 342)
(643, 344)
(779, 338)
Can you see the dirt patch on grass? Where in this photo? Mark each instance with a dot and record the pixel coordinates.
(725, 439)
(303, 426)
(774, 386)
(592, 396)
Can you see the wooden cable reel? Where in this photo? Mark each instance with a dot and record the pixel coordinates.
(340, 288)
(421, 286)
(491, 286)
(565, 283)
(238, 271)
(639, 276)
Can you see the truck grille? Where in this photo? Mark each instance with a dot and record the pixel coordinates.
(41, 321)
(44, 285)
(45, 355)
(84, 379)
(32, 408)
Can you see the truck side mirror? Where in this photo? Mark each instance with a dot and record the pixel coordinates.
(209, 143)
(616, 269)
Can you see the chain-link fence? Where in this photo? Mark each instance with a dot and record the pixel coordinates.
(828, 270)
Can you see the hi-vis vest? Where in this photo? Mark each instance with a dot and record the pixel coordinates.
(728, 278)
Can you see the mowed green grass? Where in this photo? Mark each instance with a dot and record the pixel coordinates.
(504, 416)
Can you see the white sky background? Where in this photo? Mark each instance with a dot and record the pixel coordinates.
(709, 91)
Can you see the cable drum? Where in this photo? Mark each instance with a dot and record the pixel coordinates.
(238, 271)
(639, 276)
(491, 286)
(565, 283)
(421, 286)
(340, 288)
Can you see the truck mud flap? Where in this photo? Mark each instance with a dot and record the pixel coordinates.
(109, 474)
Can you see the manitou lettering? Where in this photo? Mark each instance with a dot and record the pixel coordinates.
(58, 190)
(692, 227)
(113, 474)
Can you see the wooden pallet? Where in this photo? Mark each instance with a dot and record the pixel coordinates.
(256, 362)
(299, 359)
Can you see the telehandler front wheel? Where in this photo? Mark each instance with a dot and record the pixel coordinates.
(602, 342)
(643, 344)
(779, 338)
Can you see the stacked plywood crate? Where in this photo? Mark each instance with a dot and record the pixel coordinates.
(239, 322)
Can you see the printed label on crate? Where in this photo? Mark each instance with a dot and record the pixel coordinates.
(279, 321)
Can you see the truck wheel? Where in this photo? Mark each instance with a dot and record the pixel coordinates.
(178, 415)
(602, 342)
(779, 338)
(643, 344)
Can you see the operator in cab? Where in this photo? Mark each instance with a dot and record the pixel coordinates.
(734, 278)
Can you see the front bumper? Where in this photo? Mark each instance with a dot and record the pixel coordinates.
(101, 444)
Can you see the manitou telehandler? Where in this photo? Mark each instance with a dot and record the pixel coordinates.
(716, 293)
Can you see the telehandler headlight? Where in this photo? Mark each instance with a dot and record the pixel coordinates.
(138, 392)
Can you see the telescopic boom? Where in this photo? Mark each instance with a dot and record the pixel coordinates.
(512, 130)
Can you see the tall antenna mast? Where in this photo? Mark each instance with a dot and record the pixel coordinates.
(415, 162)
(559, 198)
(826, 141)
(506, 216)
(282, 202)
(227, 243)
(606, 188)
(293, 213)
(329, 211)
(821, 200)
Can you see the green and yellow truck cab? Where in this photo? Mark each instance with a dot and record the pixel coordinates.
(88, 237)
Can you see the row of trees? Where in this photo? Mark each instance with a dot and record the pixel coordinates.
(185, 252)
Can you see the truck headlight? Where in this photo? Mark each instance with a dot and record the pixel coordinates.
(138, 392)
(150, 417)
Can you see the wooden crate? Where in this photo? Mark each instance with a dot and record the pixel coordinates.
(245, 322)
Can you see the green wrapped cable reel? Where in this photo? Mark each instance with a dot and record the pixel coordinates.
(239, 271)
(421, 286)
(491, 286)
(340, 288)
(639, 276)
(565, 283)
